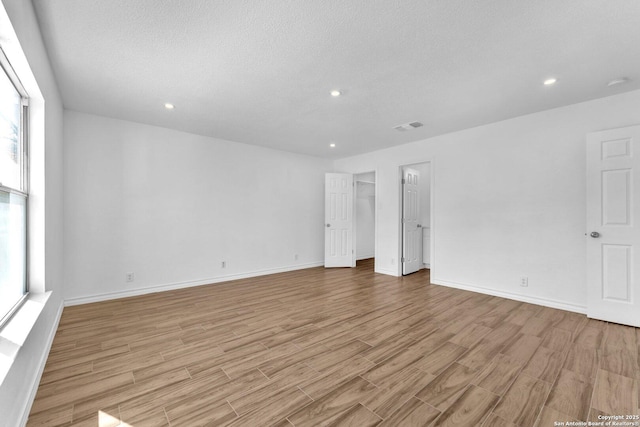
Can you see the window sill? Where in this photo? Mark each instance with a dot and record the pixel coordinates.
(15, 332)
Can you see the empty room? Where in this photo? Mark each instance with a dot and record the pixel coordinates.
(306, 213)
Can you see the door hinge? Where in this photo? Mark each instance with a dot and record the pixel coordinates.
(402, 259)
(404, 181)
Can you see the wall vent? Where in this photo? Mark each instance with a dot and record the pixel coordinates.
(408, 126)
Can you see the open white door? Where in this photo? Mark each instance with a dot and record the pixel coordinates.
(338, 214)
(613, 221)
(411, 229)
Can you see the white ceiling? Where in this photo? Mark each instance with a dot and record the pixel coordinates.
(260, 72)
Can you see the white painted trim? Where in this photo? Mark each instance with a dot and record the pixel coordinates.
(43, 361)
(366, 256)
(188, 284)
(387, 272)
(15, 332)
(562, 305)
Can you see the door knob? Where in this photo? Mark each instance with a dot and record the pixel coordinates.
(419, 226)
(328, 225)
(595, 234)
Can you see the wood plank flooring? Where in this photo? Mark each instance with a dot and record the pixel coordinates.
(333, 347)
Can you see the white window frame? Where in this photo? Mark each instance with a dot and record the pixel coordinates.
(6, 67)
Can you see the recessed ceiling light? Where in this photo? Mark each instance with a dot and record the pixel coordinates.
(332, 145)
(550, 81)
(336, 92)
(618, 81)
(169, 106)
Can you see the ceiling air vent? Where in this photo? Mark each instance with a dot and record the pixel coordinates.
(408, 126)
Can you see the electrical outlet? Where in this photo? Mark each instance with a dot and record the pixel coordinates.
(224, 264)
(295, 257)
(129, 277)
(524, 281)
(393, 261)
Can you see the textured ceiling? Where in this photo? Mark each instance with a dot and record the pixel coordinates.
(260, 72)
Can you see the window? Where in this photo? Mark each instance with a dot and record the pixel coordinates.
(13, 191)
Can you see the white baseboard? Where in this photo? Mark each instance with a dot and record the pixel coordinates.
(387, 272)
(562, 305)
(367, 256)
(42, 363)
(181, 285)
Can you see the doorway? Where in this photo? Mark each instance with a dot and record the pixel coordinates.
(350, 219)
(365, 217)
(415, 217)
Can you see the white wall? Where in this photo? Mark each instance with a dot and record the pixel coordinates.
(509, 200)
(171, 206)
(46, 213)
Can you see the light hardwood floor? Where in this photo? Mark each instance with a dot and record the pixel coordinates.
(333, 347)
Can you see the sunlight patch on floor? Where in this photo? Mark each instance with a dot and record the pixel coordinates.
(108, 420)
